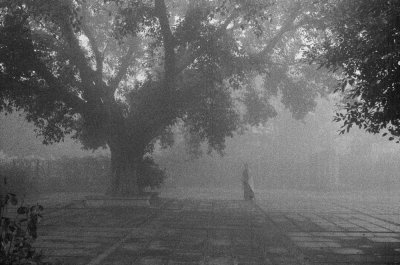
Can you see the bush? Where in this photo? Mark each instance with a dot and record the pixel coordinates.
(19, 232)
(150, 174)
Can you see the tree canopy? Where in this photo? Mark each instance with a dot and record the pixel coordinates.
(122, 73)
(361, 42)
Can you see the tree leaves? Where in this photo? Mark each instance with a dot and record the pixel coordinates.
(17, 233)
(73, 67)
(360, 43)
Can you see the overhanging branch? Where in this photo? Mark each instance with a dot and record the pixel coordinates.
(71, 100)
(287, 26)
(188, 60)
(75, 52)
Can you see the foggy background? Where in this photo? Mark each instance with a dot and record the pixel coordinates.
(286, 154)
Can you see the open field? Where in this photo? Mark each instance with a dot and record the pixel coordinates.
(281, 227)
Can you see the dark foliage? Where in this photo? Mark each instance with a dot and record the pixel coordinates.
(17, 233)
(120, 74)
(362, 43)
(150, 175)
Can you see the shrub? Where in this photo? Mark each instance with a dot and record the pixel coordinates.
(18, 233)
(150, 174)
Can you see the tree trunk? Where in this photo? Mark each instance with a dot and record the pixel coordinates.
(124, 173)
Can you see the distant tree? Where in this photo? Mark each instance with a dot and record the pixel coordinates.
(361, 42)
(121, 73)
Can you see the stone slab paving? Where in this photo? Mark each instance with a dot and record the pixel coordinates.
(76, 235)
(338, 231)
(277, 229)
(208, 232)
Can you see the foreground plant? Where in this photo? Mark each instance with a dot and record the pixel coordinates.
(18, 231)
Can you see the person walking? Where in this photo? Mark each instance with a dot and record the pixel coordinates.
(248, 184)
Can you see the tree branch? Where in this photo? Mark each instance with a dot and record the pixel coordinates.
(92, 40)
(58, 91)
(195, 54)
(288, 25)
(169, 43)
(72, 100)
(125, 63)
(76, 55)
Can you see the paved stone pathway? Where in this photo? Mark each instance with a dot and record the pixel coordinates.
(76, 235)
(218, 232)
(331, 231)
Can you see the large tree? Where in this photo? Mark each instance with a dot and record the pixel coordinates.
(121, 73)
(360, 41)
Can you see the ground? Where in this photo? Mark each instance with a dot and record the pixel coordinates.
(280, 227)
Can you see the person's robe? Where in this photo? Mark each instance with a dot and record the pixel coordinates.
(248, 185)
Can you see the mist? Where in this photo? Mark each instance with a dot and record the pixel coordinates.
(304, 154)
(307, 154)
(199, 132)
